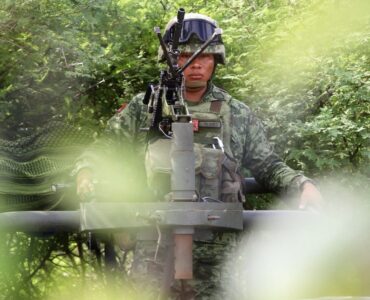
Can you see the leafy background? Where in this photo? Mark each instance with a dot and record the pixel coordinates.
(302, 66)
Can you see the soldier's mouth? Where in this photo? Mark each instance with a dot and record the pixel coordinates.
(195, 76)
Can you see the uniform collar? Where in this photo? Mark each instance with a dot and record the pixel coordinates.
(208, 95)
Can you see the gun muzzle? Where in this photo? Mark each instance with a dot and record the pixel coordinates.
(178, 29)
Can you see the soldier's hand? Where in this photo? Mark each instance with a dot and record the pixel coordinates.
(311, 197)
(85, 185)
(124, 240)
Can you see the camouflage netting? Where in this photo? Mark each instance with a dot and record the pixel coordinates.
(29, 166)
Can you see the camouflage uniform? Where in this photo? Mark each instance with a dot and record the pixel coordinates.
(247, 143)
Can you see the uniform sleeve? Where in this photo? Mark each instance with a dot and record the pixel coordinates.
(265, 165)
(121, 137)
(126, 125)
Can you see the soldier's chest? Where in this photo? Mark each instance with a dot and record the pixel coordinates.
(209, 123)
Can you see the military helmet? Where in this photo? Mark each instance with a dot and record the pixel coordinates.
(196, 29)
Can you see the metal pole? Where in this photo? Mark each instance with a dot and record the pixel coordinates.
(40, 221)
(183, 189)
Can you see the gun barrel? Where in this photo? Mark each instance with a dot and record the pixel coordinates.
(164, 49)
(40, 221)
(178, 28)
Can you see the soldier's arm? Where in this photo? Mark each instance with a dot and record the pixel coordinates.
(117, 142)
(272, 172)
(125, 126)
(265, 165)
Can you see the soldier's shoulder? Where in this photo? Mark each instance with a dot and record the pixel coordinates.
(134, 105)
(239, 107)
(137, 101)
(221, 94)
(132, 110)
(138, 97)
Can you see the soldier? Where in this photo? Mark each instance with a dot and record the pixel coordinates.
(214, 112)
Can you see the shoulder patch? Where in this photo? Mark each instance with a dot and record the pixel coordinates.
(121, 108)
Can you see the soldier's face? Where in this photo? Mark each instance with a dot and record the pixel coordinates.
(199, 71)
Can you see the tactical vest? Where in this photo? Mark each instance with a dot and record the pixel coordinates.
(217, 178)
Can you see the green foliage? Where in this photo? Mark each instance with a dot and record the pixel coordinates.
(26, 261)
(301, 65)
(77, 60)
(59, 266)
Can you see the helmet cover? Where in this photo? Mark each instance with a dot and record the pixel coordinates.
(197, 29)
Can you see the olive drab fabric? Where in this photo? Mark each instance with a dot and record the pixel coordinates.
(216, 175)
(216, 172)
(219, 177)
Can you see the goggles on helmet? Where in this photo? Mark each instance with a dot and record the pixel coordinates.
(201, 28)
